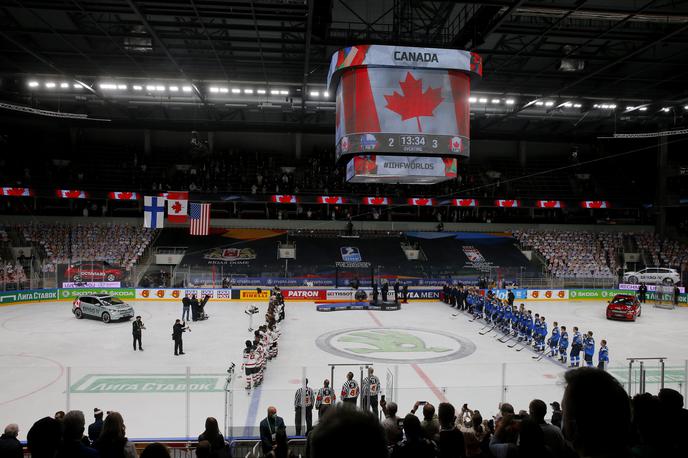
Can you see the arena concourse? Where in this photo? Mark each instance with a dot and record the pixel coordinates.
(329, 228)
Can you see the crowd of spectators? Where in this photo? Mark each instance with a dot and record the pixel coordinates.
(114, 243)
(576, 254)
(12, 273)
(596, 418)
(662, 252)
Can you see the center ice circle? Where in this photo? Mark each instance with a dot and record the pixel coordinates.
(395, 345)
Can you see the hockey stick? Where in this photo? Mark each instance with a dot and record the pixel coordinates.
(488, 331)
(522, 347)
(508, 339)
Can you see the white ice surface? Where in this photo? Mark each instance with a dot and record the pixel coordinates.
(43, 343)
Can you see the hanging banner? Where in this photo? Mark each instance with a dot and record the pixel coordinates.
(548, 204)
(400, 169)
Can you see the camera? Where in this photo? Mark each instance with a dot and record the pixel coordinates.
(230, 369)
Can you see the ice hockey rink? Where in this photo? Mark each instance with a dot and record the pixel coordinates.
(51, 361)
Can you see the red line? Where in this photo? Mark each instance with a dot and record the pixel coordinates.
(421, 373)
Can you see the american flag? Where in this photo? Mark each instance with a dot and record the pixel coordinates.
(199, 215)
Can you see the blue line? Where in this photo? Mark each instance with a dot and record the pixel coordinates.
(252, 411)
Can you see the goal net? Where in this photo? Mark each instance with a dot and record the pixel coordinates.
(663, 296)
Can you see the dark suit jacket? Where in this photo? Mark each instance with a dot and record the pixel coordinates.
(266, 434)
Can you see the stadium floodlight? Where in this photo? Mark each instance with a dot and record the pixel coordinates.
(630, 107)
(174, 88)
(236, 90)
(666, 109)
(248, 91)
(122, 87)
(315, 94)
(137, 87)
(472, 100)
(612, 106)
(577, 105)
(107, 86)
(549, 103)
(509, 101)
(274, 92)
(50, 85)
(64, 85)
(685, 107)
(159, 88)
(33, 83)
(150, 88)
(260, 91)
(186, 88)
(642, 109)
(495, 101)
(77, 86)
(567, 104)
(224, 90)
(539, 103)
(283, 92)
(326, 94)
(214, 90)
(482, 100)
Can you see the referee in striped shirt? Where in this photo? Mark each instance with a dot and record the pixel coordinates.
(303, 399)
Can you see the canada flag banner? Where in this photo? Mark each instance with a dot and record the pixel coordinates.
(284, 199)
(595, 204)
(465, 202)
(177, 206)
(331, 200)
(16, 192)
(71, 194)
(375, 200)
(421, 202)
(123, 195)
(163, 194)
(507, 203)
(548, 204)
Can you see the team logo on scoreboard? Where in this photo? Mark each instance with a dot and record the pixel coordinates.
(456, 145)
(368, 142)
(396, 345)
(350, 254)
(345, 144)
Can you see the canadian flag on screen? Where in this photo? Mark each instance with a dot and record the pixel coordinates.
(123, 195)
(505, 203)
(177, 206)
(375, 201)
(71, 194)
(421, 202)
(16, 192)
(332, 200)
(548, 204)
(465, 202)
(284, 199)
(595, 204)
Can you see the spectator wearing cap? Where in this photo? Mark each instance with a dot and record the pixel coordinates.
(556, 414)
(96, 427)
(10, 447)
(552, 436)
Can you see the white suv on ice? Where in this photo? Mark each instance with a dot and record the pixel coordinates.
(653, 275)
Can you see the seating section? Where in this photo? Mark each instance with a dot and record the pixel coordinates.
(662, 252)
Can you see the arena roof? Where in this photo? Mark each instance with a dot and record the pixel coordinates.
(566, 67)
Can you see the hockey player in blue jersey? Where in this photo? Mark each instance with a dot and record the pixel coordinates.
(603, 356)
(542, 334)
(563, 344)
(588, 348)
(554, 340)
(529, 326)
(576, 347)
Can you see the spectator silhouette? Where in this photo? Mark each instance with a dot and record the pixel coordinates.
(73, 426)
(531, 441)
(452, 444)
(10, 447)
(415, 445)
(44, 438)
(596, 414)
(333, 436)
(155, 450)
(113, 442)
(218, 446)
(552, 436)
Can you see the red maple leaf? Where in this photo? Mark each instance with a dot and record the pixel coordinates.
(331, 200)
(414, 103)
(465, 202)
(125, 195)
(377, 200)
(177, 207)
(15, 191)
(549, 203)
(285, 199)
(507, 203)
(421, 201)
(595, 204)
(72, 194)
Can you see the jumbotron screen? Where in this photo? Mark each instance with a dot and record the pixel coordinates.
(402, 101)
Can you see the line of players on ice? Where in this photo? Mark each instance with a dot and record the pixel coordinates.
(527, 328)
(263, 347)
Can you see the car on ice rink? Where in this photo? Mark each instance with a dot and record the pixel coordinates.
(623, 307)
(103, 307)
(653, 276)
(93, 271)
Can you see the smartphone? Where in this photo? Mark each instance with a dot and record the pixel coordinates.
(422, 403)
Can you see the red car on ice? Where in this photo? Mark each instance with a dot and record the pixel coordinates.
(623, 307)
(93, 271)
